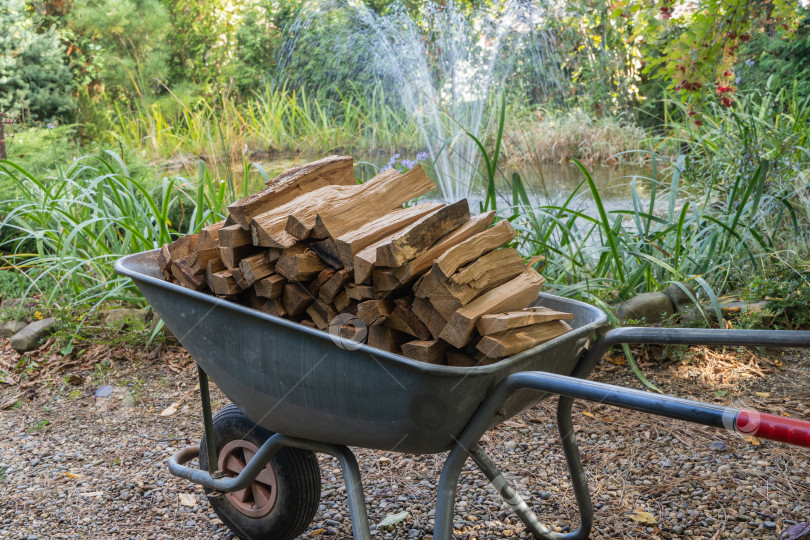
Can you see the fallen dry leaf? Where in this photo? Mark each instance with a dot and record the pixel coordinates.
(763, 394)
(645, 518)
(187, 499)
(170, 410)
(72, 475)
(588, 414)
(753, 440)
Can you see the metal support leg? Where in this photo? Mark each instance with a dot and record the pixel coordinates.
(578, 481)
(208, 422)
(348, 464)
(509, 494)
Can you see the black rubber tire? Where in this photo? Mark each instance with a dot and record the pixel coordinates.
(298, 478)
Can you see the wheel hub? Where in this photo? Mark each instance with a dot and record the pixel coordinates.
(259, 498)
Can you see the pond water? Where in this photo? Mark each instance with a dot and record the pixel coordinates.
(553, 183)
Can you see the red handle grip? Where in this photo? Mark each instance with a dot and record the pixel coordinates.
(773, 427)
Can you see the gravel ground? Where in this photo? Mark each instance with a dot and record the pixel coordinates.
(76, 466)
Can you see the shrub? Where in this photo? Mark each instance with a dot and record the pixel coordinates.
(35, 83)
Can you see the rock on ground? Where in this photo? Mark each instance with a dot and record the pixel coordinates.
(652, 307)
(9, 328)
(29, 337)
(122, 315)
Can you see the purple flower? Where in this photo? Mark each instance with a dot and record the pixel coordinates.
(50, 126)
(421, 156)
(750, 62)
(385, 168)
(408, 164)
(396, 157)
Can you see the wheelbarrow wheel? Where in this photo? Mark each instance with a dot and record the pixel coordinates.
(282, 502)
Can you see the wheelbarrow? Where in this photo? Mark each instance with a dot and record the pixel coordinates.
(297, 391)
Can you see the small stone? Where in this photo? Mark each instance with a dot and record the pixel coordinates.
(770, 525)
(510, 445)
(680, 300)
(10, 303)
(120, 316)
(651, 307)
(9, 328)
(29, 337)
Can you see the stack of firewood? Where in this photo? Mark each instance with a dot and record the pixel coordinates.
(428, 281)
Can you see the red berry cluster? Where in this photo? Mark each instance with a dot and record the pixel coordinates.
(725, 97)
(689, 86)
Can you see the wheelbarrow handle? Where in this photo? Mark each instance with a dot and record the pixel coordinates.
(773, 427)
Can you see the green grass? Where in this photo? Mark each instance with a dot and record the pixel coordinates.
(272, 120)
(66, 232)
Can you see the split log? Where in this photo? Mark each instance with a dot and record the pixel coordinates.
(463, 253)
(271, 286)
(239, 277)
(321, 313)
(386, 338)
(231, 256)
(360, 292)
(412, 269)
(374, 311)
(197, 261)
(491, 270)
(387, 191)
(515, 294)
(257, 266)
(331, 288)
(430, 352)
(223, 283)
(186, 276)
(327, 251)
(402, 318)
(325, 275)
(434, 320)
(296, 298)
(500, 322)
(418, 237)
(180, 248)
(273, 306)
(268, 228)
(384, 281)
(234, 236)
(333, 170)
(459, 359)
(342, 302)
(208, 238)
(165, 262)
(350, 243)
(517, 340)
(214, 265)
(299, 264)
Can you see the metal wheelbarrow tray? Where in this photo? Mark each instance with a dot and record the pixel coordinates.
(318, 392)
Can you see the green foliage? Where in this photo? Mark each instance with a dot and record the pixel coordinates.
(40, 149)
(35, 82)
(94, 212)
(128, 42)
(776, 60)
(787, 290)
(694, 47)
(11, 283)
(258, 39)
(203, 39)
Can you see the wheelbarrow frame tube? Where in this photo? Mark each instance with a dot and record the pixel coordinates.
(570, 388)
